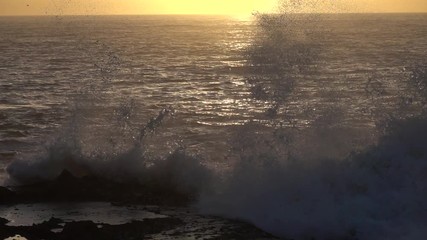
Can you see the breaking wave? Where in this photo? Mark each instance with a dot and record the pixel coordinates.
(318, 182)
(132, 162)
(378, 193)
(310, 183)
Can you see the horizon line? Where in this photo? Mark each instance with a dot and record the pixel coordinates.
(196, 14)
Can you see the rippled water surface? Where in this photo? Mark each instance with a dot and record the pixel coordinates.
(115, 69)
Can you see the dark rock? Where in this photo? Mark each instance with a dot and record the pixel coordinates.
(81, 230)
(34, 232)
(65, 178)
(3, 221)
(52, 223)
(6, 196)
(139, 229)
(172, 226)
(67, 187)
(133, 230)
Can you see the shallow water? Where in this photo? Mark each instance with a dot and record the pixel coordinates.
(97, 212)
(194, 226)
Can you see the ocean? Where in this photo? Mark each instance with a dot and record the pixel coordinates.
(281, 108)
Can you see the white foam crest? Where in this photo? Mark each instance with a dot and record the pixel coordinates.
(121, 160)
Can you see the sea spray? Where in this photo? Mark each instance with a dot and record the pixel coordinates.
(327, 179)
(376, 193)
(177, 171)
(309, 173)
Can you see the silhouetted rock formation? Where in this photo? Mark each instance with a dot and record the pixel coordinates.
(169, 227)
(89, 230)
(6, 195)
(67, 187)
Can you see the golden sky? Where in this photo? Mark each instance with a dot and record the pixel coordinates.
(229, 7)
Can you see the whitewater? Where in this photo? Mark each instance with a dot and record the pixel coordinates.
(307, 126)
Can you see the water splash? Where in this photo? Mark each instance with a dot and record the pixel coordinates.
(327, 181)
(323, 181)
(129, 161)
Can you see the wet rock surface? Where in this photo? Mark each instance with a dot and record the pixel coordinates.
(57, 229)
(181, 224)
(7, 196)
(67, 187)
(171, 216)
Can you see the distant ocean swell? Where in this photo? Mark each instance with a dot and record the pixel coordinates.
(324, 178)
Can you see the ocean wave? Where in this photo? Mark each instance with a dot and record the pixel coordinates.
(377, 193)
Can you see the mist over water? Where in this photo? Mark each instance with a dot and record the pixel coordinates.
(308, 126)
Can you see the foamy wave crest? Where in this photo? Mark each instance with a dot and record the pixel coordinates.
(378, 193)
(177, 170)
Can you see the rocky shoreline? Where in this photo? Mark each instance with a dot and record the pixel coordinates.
(67, 187)
(161, 228)
(178, 220)
(87, 229)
